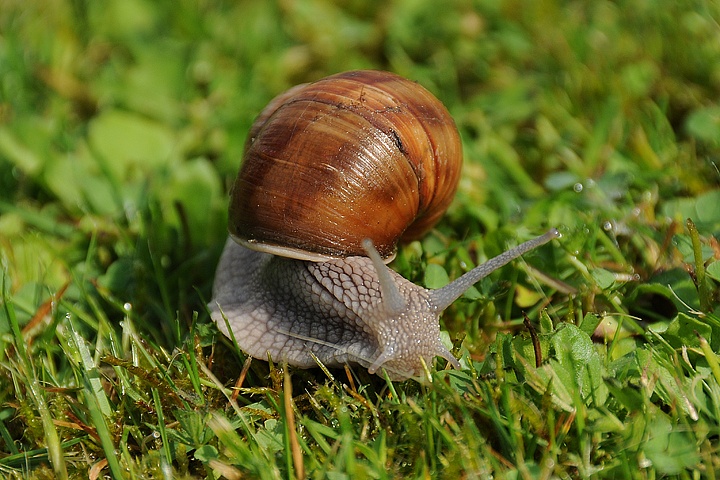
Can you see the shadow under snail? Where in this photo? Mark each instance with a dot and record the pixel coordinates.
(334, 174)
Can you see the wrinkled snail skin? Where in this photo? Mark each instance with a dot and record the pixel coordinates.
(334, 174)
(352, 310)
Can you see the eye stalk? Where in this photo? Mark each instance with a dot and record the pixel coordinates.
(445, 296)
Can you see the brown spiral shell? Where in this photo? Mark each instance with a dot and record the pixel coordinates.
(360, 154)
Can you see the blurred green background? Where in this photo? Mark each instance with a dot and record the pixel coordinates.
(103, 102)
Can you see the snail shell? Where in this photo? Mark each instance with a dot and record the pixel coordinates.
(362, 154)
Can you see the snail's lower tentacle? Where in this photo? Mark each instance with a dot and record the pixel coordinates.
(386, 354)
(445, 353)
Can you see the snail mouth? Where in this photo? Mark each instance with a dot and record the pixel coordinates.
(401, 367)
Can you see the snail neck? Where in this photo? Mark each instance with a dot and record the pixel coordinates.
(443, 297)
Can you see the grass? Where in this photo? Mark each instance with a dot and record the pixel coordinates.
(122, 124)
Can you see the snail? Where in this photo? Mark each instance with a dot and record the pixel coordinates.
(335, 173)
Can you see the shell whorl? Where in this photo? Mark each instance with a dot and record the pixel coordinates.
(363, 154)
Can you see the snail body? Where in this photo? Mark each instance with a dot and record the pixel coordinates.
(335, 173)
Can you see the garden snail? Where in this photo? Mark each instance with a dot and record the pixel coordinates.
(334, 174)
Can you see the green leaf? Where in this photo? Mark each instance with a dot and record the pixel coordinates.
(638, 78)
(704, 124)
(527, 297)
(119, 275)
(629, 397)
(546, 323)
(683, 331)
(21, 156)
(671, 388)
(679, 208)
(129, 143)
(561, 180)
(603, 278)
(574, 371)
(590, 323)
(704, 210)
(670, 448)
(270, 439)
(708, 207)
(206, 453)
(713, 270)
(194, 430)
(195, 187)
(435, 276)
(577, 363)
(675, 285)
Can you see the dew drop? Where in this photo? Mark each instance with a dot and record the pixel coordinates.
(127, 306)
(578, 187)
(607, 226)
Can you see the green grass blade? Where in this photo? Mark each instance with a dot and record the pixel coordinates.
(37, 393)
(97, 402)
(700, 274)
(167, 454)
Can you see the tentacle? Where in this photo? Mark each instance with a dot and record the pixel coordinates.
(443, 297)
(392, 301)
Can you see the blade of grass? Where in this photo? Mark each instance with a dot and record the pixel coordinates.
(159, 273)
(161, 427)
(243, 452)
(191, 362)
(38, 220)
(5, 433)
(90, 371)
(35, 456)
(710, 356)
(703, 292)
(291, 438)
(52, 440)
(97, 402)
